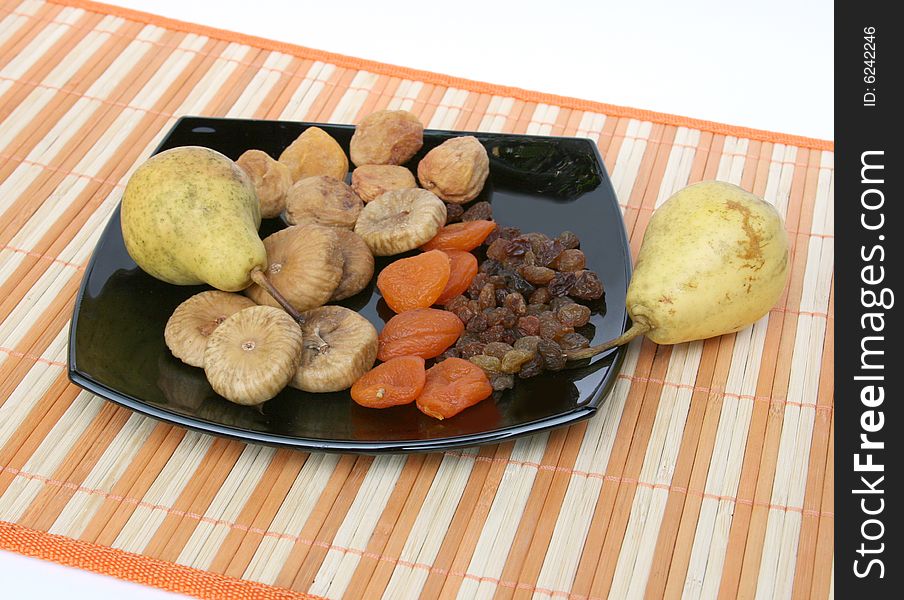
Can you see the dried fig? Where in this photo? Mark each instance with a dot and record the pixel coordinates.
(400, 220)
(323, 200)
(315, 152)
(271, 180)
(386, 137)
(195, 319)
(305, 264)
(339, 347)
(369, 181)
(358, 267)
(253, 354)
(456, 170)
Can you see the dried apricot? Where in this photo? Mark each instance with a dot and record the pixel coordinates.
(461, 236)
(415, 282)
(452, 386)
(397, 381)
(463, 268)
(424, 332)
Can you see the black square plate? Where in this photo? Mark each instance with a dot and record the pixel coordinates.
(544, 184)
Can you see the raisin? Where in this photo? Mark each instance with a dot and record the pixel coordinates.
(515, 303)
(490, 266)
(562, 284)
(494, 316)
(470, 349)
(487, 297)
(487, 363)
(502, 381)
(505, 233)
(480, 211)
(549, 252)
(463, 311)
(492, 334)
(518, 246)
(540, 296)
(452, 352)
(553, 356)
(478, 323)
(510, 336)
(528, 343)
(457, 302)
(568, 240)
(570, 260)
(498, 250)
(454, 213)
(573, 341)
(537, 275)
(501, 293)
(529, 259)
(558, 302)
(587, 286)
(477, 284)
(529, 325)
(532, 367)
(536, 309)
(497, 349)
(551, 328)
(514, 359)
(573, 315)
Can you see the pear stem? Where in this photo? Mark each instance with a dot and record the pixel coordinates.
(637, 329)
(261, 279)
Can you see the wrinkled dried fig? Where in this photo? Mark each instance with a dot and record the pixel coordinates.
(324, 201)
(386, 137)
(271, 180)
(358, 267)
(455, 170)
(191, 324)
(400, 220)
(304, 263)
(369, 181)
(315, 152)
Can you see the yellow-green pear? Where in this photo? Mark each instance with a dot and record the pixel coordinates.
(190, 215)
(714, 259)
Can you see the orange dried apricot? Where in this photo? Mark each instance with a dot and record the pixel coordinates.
(463, 269)
(424, 332)
(452, 386)
(415, 282)
(461, 236)
(398, 381)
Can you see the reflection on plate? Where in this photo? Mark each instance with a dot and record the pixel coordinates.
(116, 346)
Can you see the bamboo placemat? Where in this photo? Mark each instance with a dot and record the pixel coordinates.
(708, 473)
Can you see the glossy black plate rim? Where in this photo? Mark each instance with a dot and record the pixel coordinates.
(585, 411)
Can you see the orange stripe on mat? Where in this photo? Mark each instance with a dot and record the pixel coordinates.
(350, 62)
(134, 567)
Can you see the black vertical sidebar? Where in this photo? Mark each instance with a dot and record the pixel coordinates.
(869, 421)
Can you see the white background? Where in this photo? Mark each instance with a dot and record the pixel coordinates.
(766, 64)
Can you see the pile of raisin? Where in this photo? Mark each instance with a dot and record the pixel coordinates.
(523, 310)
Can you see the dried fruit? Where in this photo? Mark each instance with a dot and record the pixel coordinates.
(573, 315)
(532, 367)
(551, 328)
(452, 386)
(305, 264)
(515, 303)
(497, 349)
(461, 307)
(514, 360)
(487, 297)
(479, 211)
(369, 181)
(529, 325)
(460, 236)
(537, 275)
(502, 381)
(415, 282)
(573, 341)
(400, 220)
(494, 333)
(463, 269)
(454, 213)
(561, 284)
(554, 357)
(191, 324)
(540, 296)
(456, 170)
(253, 354)
(272, 180)
(424, 332)
(339, 347)
(587, 286)
(487, 363)
(505, 233)
(396, 382)
(315, 152)
(471, 348)
(478, 323)
(322, 200)
(386, 137)
(357, 267)
(568, 240)
(570, 260)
